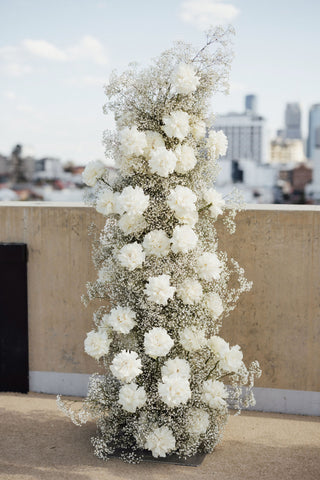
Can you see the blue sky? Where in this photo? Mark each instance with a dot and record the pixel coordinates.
(56, 55)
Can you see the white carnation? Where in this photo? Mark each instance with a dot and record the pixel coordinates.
(217, 143)
(214, 394)
(217, 203)
(97, 344)
(174, 391)
(159, 290)
(106, 203)
(232, 360)
(129, 224)
(162, 161)
(131, 256)
(132, 397)
(214, 304)
(132, 141)
(192, 339)
(132, 200)
(175, 367)
(160, 442)
(184, 79)
(198, 129)
(183, 239)
(121, 319)
(219, 346)
(176, 124)
(126, 366)
(209, 266)
(182, 200)
(190, 291)
(198, 421)
(154, 141)
(187, 217)
(157, 342)
(92, 172)
(186, 159)
(156, 243)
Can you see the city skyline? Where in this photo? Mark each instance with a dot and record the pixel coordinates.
(54, 59)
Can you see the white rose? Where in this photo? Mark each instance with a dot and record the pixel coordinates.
(126, 366)
(174, 391)
(217, 143)
(97, 344)
(198, 421)
(132, 200)
(154, 141)
(157, 342)
(181, 200)
(160, 442)
(183, 239)
(214, 304)
(217, 203)
(92, 172)
(175, 367)
(184, 79)
(106, 203)
(192, 339)
(232, 360)
(162, 161)
(214, 394)
(132, 397)
(198, 129)
(209, 266)
(186, 159)
(132, 141)
(159, 290)
(130, 224)
(121, 319)
(131, 256)
(190, 291)
(156, 243)
(176, 124)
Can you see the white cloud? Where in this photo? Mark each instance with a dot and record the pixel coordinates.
(43, 49)
(16, 69)
(88, 48)
(203, 13)
(9, 94)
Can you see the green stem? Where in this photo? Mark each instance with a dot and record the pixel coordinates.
(205, 207)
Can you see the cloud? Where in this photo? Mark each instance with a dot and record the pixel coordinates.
(43, 49)
(88, 48)
(203, 13)
(9, 94)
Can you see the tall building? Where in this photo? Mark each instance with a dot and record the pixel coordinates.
(314, 131)
(286, 150)
(293, 121)
(251, 104)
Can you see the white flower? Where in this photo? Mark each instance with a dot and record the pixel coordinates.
(121, 319)
(156, 243)
(187, 217)
(190, 291)
(184, 79)
(174, 391)
(214, 304)
(132, 141)
(106, 203)
(183, 239)
(232, 360)
(131, 256)
(214, 394)
(97, 344)
(92, 172)
(175, 367)
(198, 421)
(186, 159)
(126, 366)
(132, 200)
(132, 224)
(209, 266)
(104, 274)
(162, 161)
(132, 397)
(176, 124)
(198, 129)
(154, 141)
(219, 346)
(192, 339)
(182, 200)
(217, 143)
(160, 441)
(159, 290)
(217, 203)
(157, 342)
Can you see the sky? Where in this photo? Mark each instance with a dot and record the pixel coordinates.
(56, 55)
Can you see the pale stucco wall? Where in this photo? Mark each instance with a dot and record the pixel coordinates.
(278, 322)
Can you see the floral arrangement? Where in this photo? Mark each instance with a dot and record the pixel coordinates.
(163, 284)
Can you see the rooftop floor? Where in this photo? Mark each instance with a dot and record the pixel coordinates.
(38, 442)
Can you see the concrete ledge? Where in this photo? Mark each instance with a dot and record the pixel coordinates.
(75, 384)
